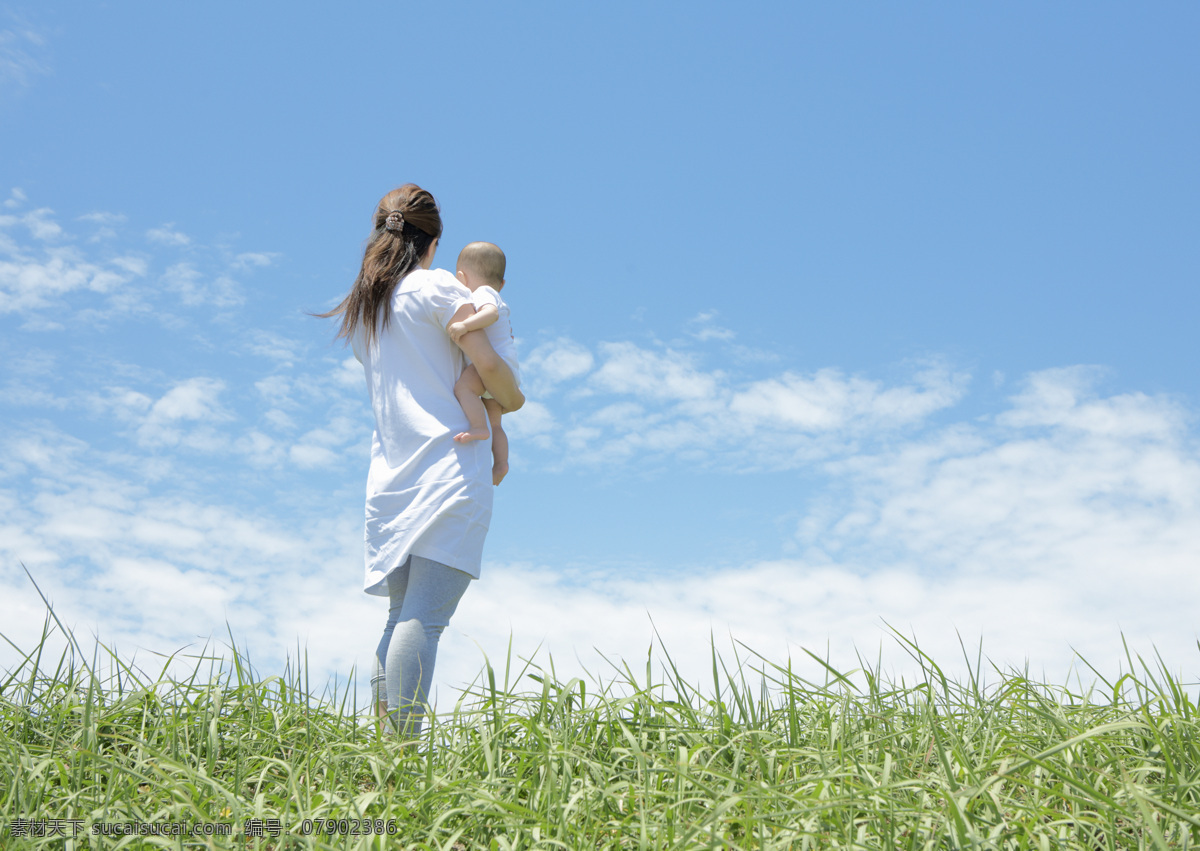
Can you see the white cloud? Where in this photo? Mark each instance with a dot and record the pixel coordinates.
(41, 227)
(168, 235)
(135, 266)
(38, 270)
(18, 62)
(1061, 523)
(703, 328)
(253, 259)
(154, 568)
(25, 393)
(276, 390)
(1069, 523)
(779, 609)
(124, 404)
(101, 217)
(552, 363)
(274, 347)
(308, 456)
(533, 420)
(349, 375)
(1062, 478)
(1066, 524)
(194, 399)
(1059, 397)
(828, 400)
(279, 420)
(642, 402)
(184, 416)
(327, 446)
(338, 390)
(195, 288)
(663, 375)
(106, 225)
(27, 285)
(184, 278)
(260, 449)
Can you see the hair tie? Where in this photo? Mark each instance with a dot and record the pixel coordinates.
(395, 221)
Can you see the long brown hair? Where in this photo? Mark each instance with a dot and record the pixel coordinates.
(406, 223)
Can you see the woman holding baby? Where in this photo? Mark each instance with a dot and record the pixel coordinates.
(429, 497)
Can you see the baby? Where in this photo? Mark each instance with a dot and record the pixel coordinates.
(481, 269)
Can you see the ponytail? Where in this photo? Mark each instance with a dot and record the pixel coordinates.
(405, 225)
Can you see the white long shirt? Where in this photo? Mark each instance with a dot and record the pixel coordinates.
(426, 494)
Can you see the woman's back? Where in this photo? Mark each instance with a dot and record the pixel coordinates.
(427, 495)
(412, 365)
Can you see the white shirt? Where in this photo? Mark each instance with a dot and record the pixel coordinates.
(426, 494)
(499, 333)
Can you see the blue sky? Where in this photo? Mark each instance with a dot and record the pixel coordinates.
(830, 317)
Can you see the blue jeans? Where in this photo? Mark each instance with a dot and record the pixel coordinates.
(424, 594)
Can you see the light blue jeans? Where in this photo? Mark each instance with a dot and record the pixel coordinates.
(424, 594)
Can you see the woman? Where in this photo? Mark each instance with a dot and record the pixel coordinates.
(429, 499)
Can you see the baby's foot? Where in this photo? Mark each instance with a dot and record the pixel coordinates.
(472, 434)
(499, 471)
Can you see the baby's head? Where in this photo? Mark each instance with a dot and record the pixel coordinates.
(481, 264)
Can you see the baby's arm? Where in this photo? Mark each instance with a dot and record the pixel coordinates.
(496, 375)
(482, 318)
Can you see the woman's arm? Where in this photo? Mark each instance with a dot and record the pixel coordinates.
(492, 369)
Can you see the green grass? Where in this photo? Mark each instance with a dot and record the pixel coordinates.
(754, 760)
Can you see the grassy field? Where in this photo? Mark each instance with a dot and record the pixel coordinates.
(762, 760)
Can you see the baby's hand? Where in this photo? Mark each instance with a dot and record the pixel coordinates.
(456, 329)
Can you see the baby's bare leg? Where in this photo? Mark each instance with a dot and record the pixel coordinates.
(468, 389)
(499, 442)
